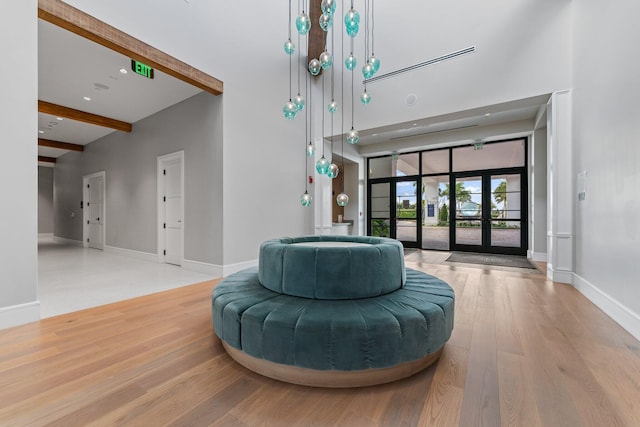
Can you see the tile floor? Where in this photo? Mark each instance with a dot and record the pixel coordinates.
(72, 278)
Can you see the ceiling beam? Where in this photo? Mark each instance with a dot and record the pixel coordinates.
(317, 37)
(84, 25)
(61, 145)
(82, 116)
(46, 159)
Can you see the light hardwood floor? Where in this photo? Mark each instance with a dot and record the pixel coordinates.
(524, 352)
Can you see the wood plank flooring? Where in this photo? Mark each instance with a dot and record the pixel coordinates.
(524, 352)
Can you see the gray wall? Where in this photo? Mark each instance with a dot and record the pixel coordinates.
(45, 200)
(130, 163)
(605, 143)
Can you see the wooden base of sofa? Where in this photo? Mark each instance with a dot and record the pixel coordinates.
(331, 378)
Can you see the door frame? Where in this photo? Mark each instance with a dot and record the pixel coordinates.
(178, 155)
(485, 246)
(85, 211)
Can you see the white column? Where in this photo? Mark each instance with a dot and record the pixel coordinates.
(19, 174)
(560, 195)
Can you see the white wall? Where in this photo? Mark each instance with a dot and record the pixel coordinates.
(263, 166)
(538, 195)
(19, 173)
(606, 129)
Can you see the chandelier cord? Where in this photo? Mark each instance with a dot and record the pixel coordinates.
(290, 55)
(373, 26)
(342, 105)
(323, 74)
(332, 85)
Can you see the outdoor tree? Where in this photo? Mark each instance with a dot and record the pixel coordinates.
(500, 196)
(443, 215)
(462, 194)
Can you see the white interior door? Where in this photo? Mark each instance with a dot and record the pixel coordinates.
(95, 208)
(172, 202)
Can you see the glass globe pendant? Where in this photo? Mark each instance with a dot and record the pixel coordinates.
(352, 136)
(314, 67)
(333, 106)
(365, 98)
(328, 6)
(367, 70)
(305, 199)
(351, 18)
(289, 47)
(350, 62)
(290, 110)
(311, 149)
(375, 63)
(298, 101)
(342, 199)
(303, 24)
(333, 171)
(326, 60)
(352, 31)
(322, 166)
(325, 21)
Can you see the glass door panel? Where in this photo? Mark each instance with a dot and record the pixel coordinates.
(435, 212)
(468, 215)
(380, 209)
(506, 212)
(407, 211)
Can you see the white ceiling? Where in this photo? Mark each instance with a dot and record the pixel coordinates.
(529, 112)
(71, 67)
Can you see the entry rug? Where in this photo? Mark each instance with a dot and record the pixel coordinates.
(491, 259)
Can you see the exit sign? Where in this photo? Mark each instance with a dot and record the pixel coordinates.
(142, 69)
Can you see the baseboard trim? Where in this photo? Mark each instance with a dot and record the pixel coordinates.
(45, 235)
(234, 268)
(537, 256)
(143, 256)
(560, 276)
(626, 318)
(212, 270)
(67, 241)
(20, 314)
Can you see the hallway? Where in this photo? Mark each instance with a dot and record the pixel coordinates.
(72, 278)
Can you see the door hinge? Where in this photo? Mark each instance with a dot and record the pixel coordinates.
(88, 186)
(87, 240)
(164, 198)
(164, 252)
(164, 171)
(88, 203)
(87, 221)
(164, 225)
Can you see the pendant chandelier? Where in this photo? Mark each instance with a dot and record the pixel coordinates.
(315, 36)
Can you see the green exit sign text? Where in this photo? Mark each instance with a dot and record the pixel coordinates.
(142, 69)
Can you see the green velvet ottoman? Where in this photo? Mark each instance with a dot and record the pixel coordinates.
(305, 317)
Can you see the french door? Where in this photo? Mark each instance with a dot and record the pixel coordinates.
(395, 210)
(489, 212)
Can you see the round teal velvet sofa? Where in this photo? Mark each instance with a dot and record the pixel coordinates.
(335, 311)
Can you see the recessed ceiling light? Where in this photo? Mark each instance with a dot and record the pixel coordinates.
(59, 118)
(415, 124)
(123, 70)
(86, 98)
(487, 114)
(40, 131)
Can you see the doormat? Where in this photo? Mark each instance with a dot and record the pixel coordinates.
(491, 259)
